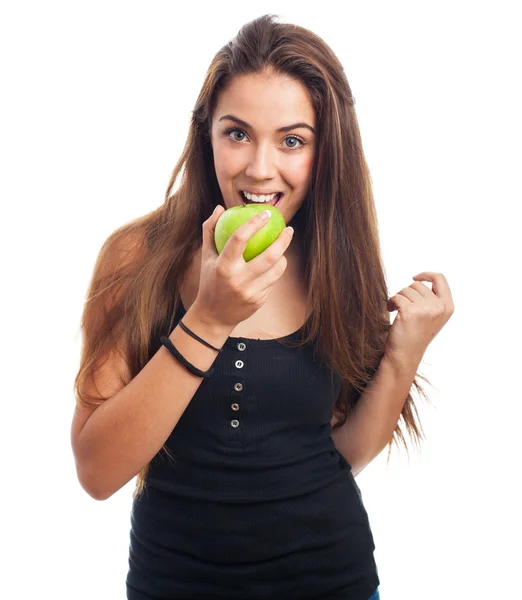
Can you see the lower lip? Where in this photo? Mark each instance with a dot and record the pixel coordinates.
(274, 202)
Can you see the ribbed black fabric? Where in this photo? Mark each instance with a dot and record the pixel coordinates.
(257, 503)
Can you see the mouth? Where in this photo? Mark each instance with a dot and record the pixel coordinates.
(273, 201)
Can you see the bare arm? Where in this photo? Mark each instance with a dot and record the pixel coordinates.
(114, 442)
(371, 425)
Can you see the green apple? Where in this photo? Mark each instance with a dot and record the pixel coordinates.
(234, 217)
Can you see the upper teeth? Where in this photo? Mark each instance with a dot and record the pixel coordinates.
(255, 198)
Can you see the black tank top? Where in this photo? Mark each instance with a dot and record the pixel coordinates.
(255, 436)
(257, 429)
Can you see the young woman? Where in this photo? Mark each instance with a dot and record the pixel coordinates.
(216, 380)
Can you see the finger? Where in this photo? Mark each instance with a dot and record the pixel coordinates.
(271, 275)
(396, 302)
(266, 260)
(439, 286)
(209, 246)
(236, 243)
(422, 288)
(410, 293)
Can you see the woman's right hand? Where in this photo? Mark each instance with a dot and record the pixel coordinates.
(231, 289)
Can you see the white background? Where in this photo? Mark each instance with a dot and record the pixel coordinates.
(95, 105)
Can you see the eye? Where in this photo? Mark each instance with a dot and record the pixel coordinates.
(234, 130)
(294, 137)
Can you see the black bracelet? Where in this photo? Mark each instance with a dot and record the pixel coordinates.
(175, 352)
(196, 337)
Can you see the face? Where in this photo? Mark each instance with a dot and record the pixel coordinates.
(263, 141)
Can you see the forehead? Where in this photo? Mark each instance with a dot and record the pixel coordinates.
(265, 101)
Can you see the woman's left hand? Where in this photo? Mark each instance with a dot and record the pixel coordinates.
(422, 314)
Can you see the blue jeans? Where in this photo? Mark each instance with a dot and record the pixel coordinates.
(375, 595)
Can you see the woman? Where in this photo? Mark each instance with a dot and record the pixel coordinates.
(215, 380)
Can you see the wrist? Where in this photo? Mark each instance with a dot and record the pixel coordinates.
(401, 366)
(202, 324)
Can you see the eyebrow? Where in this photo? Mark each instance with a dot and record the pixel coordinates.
(281, 129)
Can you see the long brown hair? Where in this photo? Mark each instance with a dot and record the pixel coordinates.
(134, 288)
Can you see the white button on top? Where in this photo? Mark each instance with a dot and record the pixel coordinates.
(239, 364)
(234, 423)
(241, 346)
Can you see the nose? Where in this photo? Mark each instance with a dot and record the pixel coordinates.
(262, 164)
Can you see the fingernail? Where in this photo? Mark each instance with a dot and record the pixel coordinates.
(266, 214)
(290, 230)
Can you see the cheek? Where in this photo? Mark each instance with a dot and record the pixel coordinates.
(226, 162)
(298, 170)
